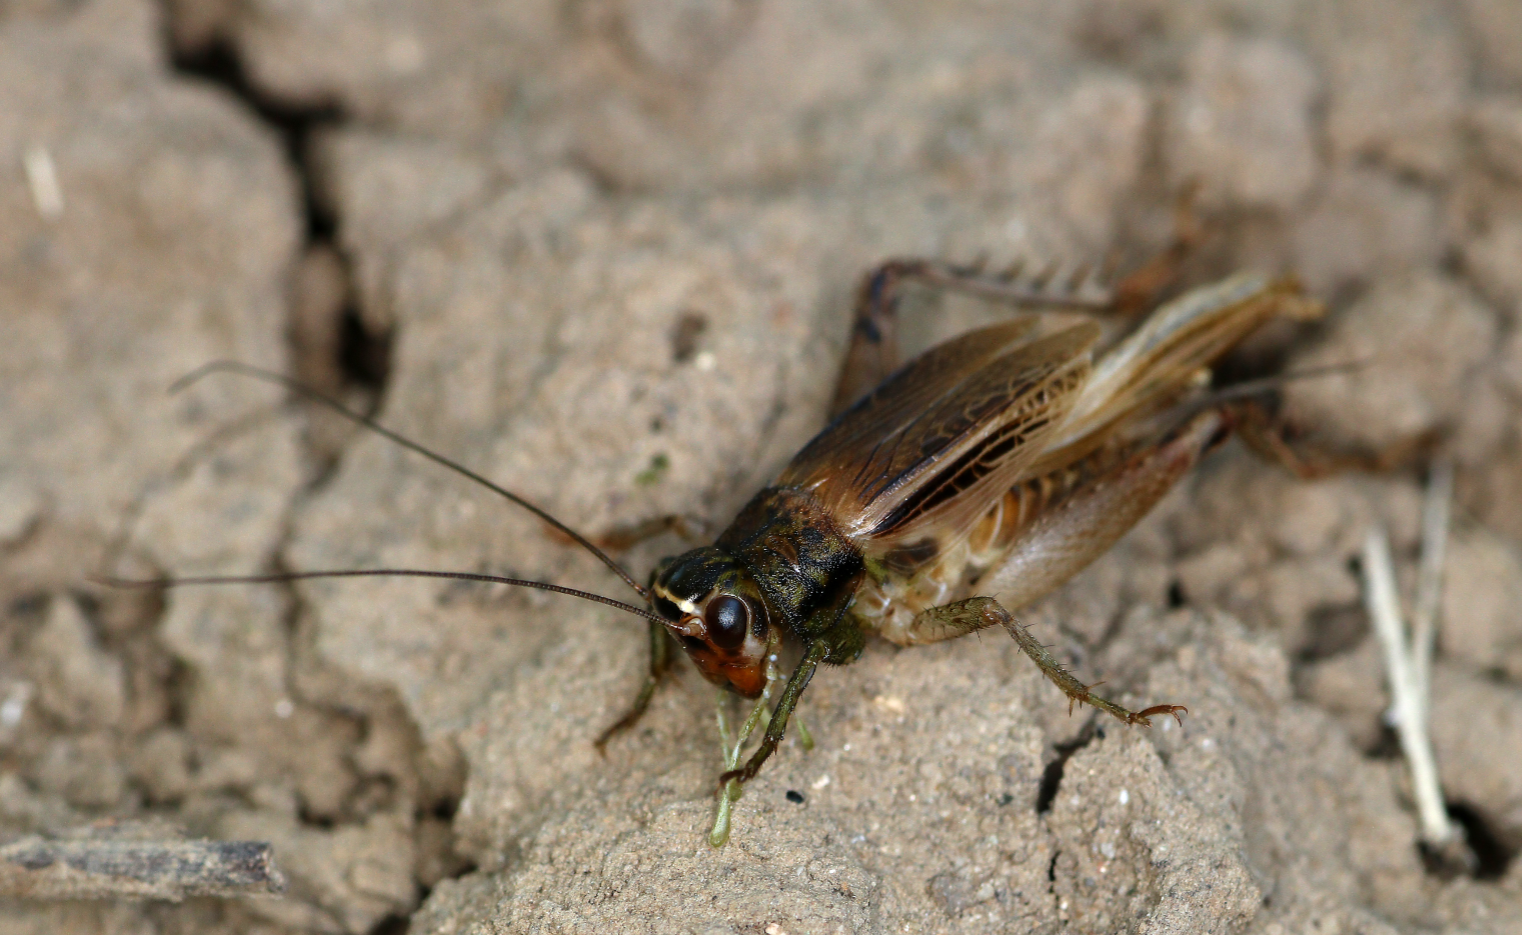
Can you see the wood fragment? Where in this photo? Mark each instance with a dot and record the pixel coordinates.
(34, 867)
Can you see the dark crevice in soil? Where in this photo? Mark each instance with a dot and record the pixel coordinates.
(178, 685)
(1491, 854)
(1176, 596)
(1334, 629)
(1386, 746)
(1051, 775)
(361, 356)
(335, 351)
(323, 822)
(219, 63)
(390, 925)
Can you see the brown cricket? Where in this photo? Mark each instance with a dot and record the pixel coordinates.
(943, 495)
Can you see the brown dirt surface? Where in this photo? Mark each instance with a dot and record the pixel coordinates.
(603, 252)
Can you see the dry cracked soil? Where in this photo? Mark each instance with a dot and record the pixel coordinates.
(603, 251)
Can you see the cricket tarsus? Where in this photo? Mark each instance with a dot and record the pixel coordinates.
(1141, 717)
(369, 573)
(295, 386)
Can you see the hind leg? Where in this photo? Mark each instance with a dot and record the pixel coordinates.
(873, 351)
(1273, 439)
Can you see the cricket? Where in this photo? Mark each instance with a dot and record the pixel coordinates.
(945, 493)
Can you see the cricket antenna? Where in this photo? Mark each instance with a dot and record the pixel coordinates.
(368, 573)
(233, 366)
(1248, 388)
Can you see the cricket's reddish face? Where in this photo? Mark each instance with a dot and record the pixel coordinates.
(716, 612)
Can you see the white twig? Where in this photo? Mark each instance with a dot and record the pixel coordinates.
(42, 179)
(1429, 584)
(1409, 708)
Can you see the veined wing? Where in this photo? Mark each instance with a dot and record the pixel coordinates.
(1165, 356)
(948, 432)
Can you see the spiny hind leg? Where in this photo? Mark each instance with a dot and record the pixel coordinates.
(660, 663)
(873, 351)
(949, 621)
(1274, 439)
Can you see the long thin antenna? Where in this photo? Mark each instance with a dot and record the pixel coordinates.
(1263, 384)
(369, 573)
(233, 366)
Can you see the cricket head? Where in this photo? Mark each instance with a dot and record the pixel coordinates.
(715, 610)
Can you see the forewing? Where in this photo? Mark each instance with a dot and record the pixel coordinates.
(906, 394)
(1161, 360)
(938, 439)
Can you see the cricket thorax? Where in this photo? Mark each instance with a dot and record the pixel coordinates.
(796, 553)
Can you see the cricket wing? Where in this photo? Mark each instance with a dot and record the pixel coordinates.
(946, 434)
(1155, 365)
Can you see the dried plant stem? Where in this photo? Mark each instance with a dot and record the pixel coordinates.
(1409, 663)
(1429, 585)
(91, 868)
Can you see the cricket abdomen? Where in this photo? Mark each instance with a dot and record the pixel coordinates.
(1038, 535)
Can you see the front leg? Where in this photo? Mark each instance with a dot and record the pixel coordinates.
(625, 537)
(660, 662)
(976, 613)
(816, 653)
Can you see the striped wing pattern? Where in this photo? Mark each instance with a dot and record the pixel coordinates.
(946, 432)
(931, 449)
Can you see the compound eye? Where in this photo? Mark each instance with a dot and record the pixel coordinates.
(727, 619)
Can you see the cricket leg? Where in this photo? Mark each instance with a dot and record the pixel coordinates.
(1045, 531)
(621, 538)
(873, 351)
(624, 537)
(1108, 495)
(1141, 288)
(660, 663)
(1272, 438)
(976, 613)
(796, 683)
